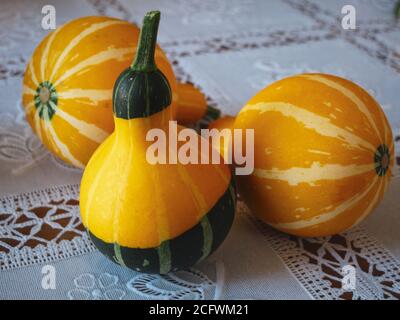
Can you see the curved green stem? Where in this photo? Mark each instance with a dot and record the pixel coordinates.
(144, 60)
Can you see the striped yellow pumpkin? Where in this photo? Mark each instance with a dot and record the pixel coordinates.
(323, 154)
(68, 82)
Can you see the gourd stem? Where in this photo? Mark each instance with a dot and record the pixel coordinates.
(144, 60)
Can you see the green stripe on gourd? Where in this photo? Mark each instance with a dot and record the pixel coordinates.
(164, 256)
(207, 237)
(118, 257)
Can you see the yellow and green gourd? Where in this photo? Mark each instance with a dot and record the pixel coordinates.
(148, 217)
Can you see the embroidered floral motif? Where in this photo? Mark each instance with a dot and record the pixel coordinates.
(89, 287)
(171, 286)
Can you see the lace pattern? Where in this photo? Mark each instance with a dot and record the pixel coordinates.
(44, 226)
(317, 262)
(41, 226)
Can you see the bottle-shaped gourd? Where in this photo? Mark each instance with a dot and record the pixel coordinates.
(152, 217)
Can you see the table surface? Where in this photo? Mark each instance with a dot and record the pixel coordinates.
(230, 50)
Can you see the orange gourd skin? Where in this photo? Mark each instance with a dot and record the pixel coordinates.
(225, 122)
(68, 83)
(222, 123)
(192, 104)
(323, 154)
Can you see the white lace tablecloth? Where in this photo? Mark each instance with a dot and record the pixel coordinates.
(230, 49)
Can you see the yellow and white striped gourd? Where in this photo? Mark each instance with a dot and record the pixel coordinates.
(68, 84)
(323, 154)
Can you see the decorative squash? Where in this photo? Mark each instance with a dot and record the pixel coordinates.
(67, 87)
(151, 217)
(323, 154)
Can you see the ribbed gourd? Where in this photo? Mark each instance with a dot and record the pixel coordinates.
(68, 83)
(323, 154)
(148, 217)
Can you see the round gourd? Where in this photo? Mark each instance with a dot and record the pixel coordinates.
(67, 86)
(151, 217)
(323, 154)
